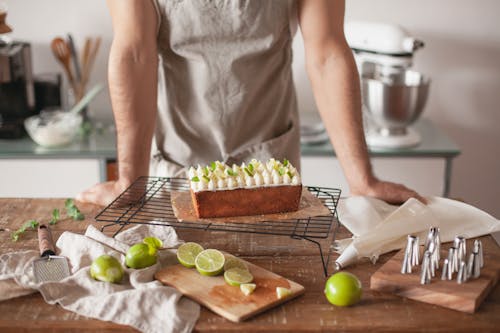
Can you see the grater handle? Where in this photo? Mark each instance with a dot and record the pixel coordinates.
(45, 241)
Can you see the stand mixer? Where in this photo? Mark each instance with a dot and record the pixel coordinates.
(393, 95)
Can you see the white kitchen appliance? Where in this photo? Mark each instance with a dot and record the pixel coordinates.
(393, 95)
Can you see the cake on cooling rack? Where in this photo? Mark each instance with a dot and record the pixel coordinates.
(219, 190)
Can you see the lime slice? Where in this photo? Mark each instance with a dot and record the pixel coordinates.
(247, 288)
(187, 252)
(237, 276)
(209, 262)
(153, 242)
(283, 292)
(233, 262)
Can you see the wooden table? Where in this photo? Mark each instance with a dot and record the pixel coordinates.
(294, 259)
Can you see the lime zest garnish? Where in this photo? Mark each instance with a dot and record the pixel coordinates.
(231, 172)
(213, 166)
(289, 174)
(248, 172)
(206, 178)
(195, 179)
(281, 171)
(206, 171)
(250, 167)
(285, 162)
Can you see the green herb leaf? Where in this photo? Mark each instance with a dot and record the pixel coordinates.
(69, 203)
(73, 211)
(195, 179)
(281, 171)
(206, 178)
(28, 224)
(230, 172)
(55, 216)
(213, 165)
(33, 224)
(15, 236)
(250, 167)
(285, 162)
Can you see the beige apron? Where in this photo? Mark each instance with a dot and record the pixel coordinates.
(225, 87)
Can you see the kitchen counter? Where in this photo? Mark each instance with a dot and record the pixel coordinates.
(434, 143)
(103, 145)
(96, 145)
(294, 259)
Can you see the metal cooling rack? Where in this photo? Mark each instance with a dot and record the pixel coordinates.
(148, 201)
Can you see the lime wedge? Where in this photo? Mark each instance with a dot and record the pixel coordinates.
(237, 276)
(283, 292)
(209, 262)
(247, 288)
(187, 252)
(154, 242)
(233, 262)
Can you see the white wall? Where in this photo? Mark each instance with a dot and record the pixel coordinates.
(462, 55)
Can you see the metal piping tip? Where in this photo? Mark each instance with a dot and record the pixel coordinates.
(462, 275)
(445, 274)
(478, 247)
(425, 275)
(460, 244)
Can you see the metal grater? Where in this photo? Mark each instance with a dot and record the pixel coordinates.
(49, 267)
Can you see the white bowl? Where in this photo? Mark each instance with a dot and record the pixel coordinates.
(54, 128)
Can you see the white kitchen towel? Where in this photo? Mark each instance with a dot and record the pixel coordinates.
(138, 301)
(378, 227)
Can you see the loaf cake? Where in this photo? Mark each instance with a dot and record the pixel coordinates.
(219, 190)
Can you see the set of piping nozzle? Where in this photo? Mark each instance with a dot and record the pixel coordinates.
(456, 262)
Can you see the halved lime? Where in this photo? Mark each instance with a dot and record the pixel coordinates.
(247, 288)
(283, 292)
(234, 262)
(209, 262)
(153, 242)
(237, 276)
(187, 252)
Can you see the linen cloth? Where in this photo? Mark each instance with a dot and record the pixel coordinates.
(378, 227)
(138, 301)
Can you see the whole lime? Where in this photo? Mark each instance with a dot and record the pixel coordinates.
(140, 255)
(106, 268)
(343, 289)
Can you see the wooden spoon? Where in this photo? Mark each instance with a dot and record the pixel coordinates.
(63, 55)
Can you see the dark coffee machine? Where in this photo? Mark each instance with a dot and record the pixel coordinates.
(22, 95)
(17, 87)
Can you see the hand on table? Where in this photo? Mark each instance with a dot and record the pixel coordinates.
(102, 194)
(391, 193)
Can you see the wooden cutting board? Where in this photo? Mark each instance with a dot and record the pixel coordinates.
(464, 297)
(226, 300)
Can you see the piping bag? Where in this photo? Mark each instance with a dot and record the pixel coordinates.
(379, 228)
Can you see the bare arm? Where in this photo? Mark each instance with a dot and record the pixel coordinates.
(335, 82)
(132, 76)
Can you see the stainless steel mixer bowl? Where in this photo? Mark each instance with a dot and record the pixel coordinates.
(394, 101)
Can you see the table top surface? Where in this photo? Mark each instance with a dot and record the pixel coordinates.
(102, 144)
(297, 260)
